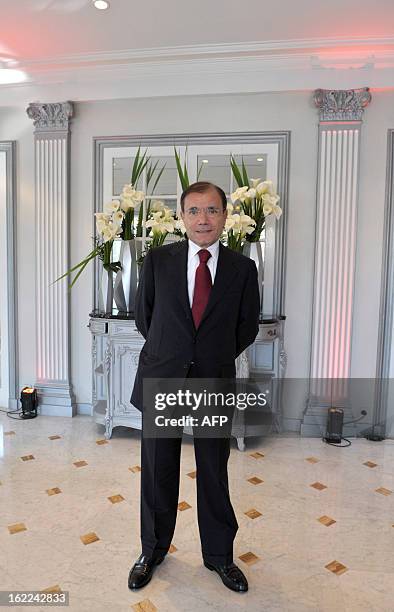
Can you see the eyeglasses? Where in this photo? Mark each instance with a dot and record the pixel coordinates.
(211, 211)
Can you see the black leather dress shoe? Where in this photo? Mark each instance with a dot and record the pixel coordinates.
(142, 571)
(231, 576)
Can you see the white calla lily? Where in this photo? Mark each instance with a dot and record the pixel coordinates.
(161, 221)
(266, 187)
(107, 234)
(250, 193)
(100, 226)
(128, 190)
(270, 199)
(277, 211)
(179, 225)
(157, 205)
(111, 207)
(118, 217)
(138, 196)
(126, 204)
(102, 216)
(239, 194)
(229, 224)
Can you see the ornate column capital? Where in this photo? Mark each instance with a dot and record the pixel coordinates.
(50, 117)
(341, 104)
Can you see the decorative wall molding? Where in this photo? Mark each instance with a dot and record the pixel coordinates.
(342, 105)
(292, 65)
(350, 49)
(52, 170)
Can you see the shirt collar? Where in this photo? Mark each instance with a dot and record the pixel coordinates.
(194, 248)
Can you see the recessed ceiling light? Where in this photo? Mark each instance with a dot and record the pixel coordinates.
(8, 75)
(204, 161)
(101, 4)
(260, 159)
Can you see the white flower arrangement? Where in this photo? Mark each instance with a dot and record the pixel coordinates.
(259, 201)
(257, 198)
(108, 227)
(161, 222)
(130, 197)
(117, 218)
(253, 199)
(237, 227)
(109, 223)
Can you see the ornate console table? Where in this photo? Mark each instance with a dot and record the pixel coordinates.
(116, 344)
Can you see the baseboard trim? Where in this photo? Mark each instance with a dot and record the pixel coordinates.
(86, 409)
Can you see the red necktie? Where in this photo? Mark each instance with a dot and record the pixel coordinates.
(202, 287)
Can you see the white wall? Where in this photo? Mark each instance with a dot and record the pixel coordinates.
(378, 119)
(269, 111)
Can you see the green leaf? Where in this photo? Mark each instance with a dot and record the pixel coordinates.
(128, 227)
(178, 165)
(236, 172)
(182, 172)
(78, 275)
(139, 222)
(139, 164)
(245, 174)
(158, 177)
(83, 263)
(141, 167)
(133, 171)
(150, 172)
(185, 170)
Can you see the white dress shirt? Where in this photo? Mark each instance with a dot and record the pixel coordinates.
(193, 261)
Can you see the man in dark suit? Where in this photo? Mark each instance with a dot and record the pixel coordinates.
(197, 307)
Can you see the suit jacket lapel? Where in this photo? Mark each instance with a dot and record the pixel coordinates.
(178, 276)
(225, 273)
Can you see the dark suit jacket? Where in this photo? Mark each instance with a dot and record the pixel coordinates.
(163, 316)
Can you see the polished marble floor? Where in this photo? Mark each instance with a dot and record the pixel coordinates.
(316, 522)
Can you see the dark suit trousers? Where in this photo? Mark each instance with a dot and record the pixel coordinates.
(160, 463)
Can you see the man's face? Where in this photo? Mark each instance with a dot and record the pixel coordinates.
(204, 217)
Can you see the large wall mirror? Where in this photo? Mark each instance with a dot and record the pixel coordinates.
(8, 340)
(266, 155)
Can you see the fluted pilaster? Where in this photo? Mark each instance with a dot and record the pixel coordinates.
(335, 247)
(52, 168)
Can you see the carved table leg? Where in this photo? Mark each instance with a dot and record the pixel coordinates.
(108, 409)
